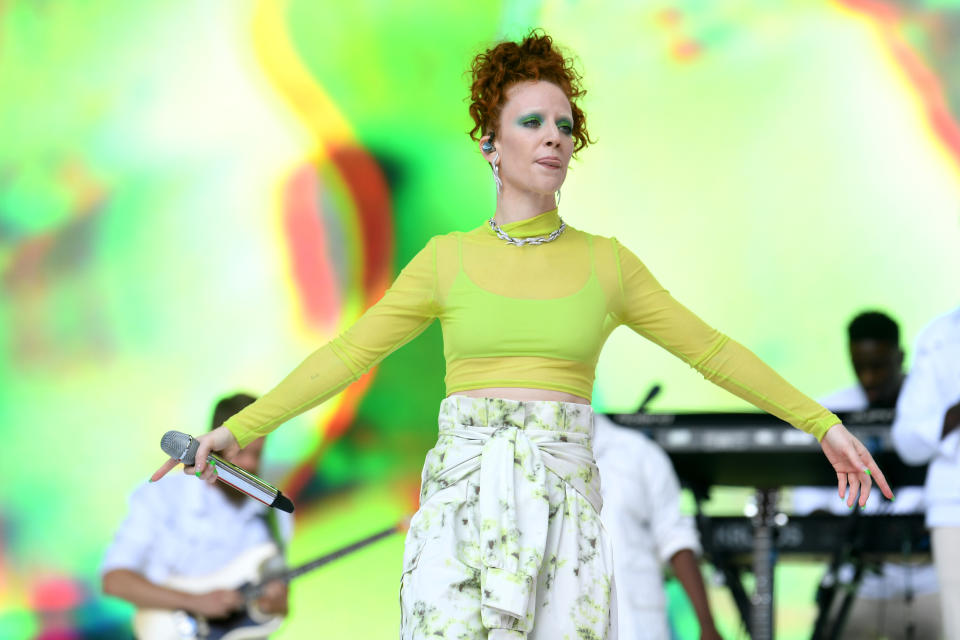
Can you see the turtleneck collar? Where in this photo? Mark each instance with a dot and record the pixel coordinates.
(538, 225)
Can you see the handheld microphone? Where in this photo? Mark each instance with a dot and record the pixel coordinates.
(183, 447)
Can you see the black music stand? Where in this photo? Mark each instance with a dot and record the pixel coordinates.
(849, 552)
(756, 610)
(846, 553)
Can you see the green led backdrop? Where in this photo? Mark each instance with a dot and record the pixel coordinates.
(193, 196)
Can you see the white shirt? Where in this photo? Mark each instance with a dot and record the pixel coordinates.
(932, 387)
(180, 525)
(850, 399)
(641, 512)
(895, 580)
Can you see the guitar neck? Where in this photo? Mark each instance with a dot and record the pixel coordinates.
(254, 591)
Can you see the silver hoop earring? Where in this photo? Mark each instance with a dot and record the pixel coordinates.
(496, 173)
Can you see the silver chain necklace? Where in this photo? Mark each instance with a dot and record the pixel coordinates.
(519, 242)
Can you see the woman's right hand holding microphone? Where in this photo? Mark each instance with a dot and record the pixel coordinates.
(220, 440)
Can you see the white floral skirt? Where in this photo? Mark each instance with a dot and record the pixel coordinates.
(507, 542)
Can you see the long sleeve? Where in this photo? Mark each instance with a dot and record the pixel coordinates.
(922, 404)
(650, 310)
(404, 311)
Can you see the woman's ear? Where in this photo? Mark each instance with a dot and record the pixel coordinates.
(486, 145)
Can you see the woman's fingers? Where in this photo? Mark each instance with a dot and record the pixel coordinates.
(855, 467)
(865, 485)
(863, 458)
(164, 468)
(856, 476)
(874, 471)
(200, 468)
(209, 474)
(881, 480)
(220, 439)
(203, 450)
(854, 483)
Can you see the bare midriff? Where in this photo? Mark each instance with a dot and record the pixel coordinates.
(519, 393)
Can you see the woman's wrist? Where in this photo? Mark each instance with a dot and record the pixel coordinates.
(225, 438)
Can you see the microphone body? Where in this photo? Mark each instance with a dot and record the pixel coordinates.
(183, 447)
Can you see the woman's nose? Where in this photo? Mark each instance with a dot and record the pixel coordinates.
(553, 136)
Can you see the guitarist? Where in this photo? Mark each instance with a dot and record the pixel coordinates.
(181, 526)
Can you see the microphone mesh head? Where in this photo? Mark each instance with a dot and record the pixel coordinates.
(175, 443)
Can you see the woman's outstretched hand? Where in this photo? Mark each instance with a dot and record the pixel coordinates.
(854, 465)
(219, 440)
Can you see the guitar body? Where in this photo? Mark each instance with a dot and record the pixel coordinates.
(251, 624)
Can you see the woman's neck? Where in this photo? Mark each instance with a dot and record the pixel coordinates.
(514, 207)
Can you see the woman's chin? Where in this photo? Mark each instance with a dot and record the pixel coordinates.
(548, 190)
(545, 190)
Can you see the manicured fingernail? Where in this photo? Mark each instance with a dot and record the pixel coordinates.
(866, 471)
(892, 497)
(863, 507)
(198, 474)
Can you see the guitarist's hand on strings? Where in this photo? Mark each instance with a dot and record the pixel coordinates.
(216, 604)
(220, 440)
(274, 598)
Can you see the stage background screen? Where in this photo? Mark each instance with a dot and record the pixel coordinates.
(194, 196)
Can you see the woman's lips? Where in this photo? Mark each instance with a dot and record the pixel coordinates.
(550, 163)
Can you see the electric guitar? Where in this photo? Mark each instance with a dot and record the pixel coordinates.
(247, 575)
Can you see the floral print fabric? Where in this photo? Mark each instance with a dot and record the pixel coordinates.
(507, 542)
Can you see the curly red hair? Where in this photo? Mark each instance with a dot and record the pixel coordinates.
(534, 58)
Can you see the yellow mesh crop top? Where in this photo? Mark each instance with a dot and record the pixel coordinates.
(533, 316)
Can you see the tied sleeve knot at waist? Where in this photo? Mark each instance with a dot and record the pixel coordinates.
(513, 504)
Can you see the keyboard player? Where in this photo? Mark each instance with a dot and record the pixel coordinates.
(898, 595)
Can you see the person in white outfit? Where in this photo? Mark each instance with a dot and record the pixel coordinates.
(898, 599)
(926, 431)
(175, 527)
(641, 512)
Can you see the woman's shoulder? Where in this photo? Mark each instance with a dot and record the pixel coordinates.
(440, 239)
(574, 230)
(439, 249)
(595, 237)
(480, 233)
(601, 244)
(448, 239)
(455, 234)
